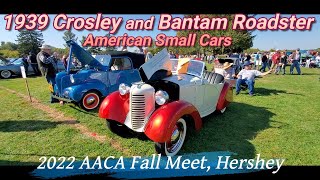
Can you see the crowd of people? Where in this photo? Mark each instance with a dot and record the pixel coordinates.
(257, 65)
(276, 62)
(45, 64)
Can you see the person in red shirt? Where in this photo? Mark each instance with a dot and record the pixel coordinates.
(275, 60)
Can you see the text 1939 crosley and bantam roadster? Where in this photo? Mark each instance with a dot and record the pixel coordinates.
(167, 102)
(99, 76)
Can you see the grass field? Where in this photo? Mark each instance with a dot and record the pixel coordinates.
(281, 121)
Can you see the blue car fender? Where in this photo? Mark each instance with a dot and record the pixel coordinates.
(77, 91)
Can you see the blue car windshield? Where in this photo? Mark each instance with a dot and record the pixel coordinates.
(103, 59)
(234, 56)
(17, 62)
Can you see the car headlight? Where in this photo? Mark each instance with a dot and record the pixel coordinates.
(66, 93)
(161, 97)
(71, 78)
(124, 89)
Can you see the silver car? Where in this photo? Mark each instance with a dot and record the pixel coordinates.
(13, 68)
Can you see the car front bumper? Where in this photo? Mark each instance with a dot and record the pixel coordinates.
(61, 98)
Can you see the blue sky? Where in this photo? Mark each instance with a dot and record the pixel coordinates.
(264, 40)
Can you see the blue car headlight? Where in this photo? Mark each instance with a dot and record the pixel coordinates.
(66, 93)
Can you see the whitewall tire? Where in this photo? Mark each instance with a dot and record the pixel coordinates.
(176, 142)
(5, 74)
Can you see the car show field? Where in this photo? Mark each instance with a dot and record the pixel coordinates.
(282, 120)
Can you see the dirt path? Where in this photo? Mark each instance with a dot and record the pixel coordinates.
(60, 117)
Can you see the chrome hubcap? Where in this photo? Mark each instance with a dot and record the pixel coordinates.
(90, 100)
(5, 74)
(176, 138)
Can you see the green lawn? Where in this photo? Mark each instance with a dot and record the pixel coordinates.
(281, 121)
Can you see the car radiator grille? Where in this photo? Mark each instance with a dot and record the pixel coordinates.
(137, 111)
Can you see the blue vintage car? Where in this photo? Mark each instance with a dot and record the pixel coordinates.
(99, 76)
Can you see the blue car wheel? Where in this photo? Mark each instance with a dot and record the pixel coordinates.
(5, 74)
(90, 101)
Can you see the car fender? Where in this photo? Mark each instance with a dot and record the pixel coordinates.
(77, 91)
(162, 122)
(115, 107)
(225, 96)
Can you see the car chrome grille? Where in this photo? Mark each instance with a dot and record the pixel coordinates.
(137, 111)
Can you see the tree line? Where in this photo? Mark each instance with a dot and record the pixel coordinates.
(30, 41)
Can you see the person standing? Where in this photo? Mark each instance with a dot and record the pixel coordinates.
(64, 61)
(257, 61)
(318, 59)
(47, 67)
(32, 58)
(284, 62)
(275, 61)
(296, 56)
(264, 60)
(148, 55)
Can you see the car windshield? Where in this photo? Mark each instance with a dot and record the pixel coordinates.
(17, 62)
(195, 67)
(103, 59)
(2, 63)
(234, 56)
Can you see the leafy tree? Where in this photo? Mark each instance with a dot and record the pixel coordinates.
(97, 50)
(68, 35)
(9, 53)
(241, 39)
(29, 41)
(9, 46)
(251, 50)
(61, 51)
(83, 38)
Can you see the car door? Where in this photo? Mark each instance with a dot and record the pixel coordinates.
(121, 71)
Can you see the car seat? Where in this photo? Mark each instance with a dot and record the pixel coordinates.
(213, 78)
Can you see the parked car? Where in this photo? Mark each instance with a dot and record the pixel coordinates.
(165, 105)
(3, 61)
(99, 76)
(12, 68)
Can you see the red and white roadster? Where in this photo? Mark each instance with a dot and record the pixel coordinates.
(173, 97)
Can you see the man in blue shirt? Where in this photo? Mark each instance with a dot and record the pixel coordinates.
(247, 76)
(296, 56)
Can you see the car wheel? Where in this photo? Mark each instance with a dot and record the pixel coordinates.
(176, 142)
(90, 101)
(5, 74)
(117, 128)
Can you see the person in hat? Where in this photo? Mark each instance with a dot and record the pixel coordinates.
(229, 73)
(296, 56)
(247, 76)
(47, 67)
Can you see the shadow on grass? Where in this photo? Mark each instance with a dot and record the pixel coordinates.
(231, 131)
(29, 125)
(92, 112)
(268, 92)
(309, 73)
